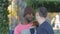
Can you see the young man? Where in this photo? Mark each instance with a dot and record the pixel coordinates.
(27, 23)
(44, 26)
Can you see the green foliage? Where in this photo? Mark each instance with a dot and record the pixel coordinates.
(52, 6)
(4, 25)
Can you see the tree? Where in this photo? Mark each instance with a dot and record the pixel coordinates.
(4, 25)
(52, 6)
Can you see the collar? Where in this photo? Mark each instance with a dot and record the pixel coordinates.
(42, 22)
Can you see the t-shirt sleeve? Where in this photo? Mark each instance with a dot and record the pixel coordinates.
(16, 31)
(41, 31)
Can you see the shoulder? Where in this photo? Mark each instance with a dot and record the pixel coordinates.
(45, 26)
(18, 27)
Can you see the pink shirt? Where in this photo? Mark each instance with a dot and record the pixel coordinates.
(21, 27)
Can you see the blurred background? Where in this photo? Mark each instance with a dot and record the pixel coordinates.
(11, 13)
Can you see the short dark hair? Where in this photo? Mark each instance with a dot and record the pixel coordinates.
(42, 11)
(28, 10)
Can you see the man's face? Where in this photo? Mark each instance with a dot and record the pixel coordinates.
(29, 17)
(37, 16)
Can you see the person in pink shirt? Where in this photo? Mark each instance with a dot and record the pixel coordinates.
(24, 27)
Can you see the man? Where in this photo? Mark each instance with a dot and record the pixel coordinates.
(44, 26)
(24, 27)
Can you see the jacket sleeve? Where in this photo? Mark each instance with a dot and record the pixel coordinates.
(41, 31)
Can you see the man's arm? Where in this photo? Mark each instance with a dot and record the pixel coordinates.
(16, 31)
(41, 31)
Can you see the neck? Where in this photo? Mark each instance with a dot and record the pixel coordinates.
(41, 20)
(25, 22)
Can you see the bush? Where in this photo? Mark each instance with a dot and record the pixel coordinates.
(4, 22)
(52, 6)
